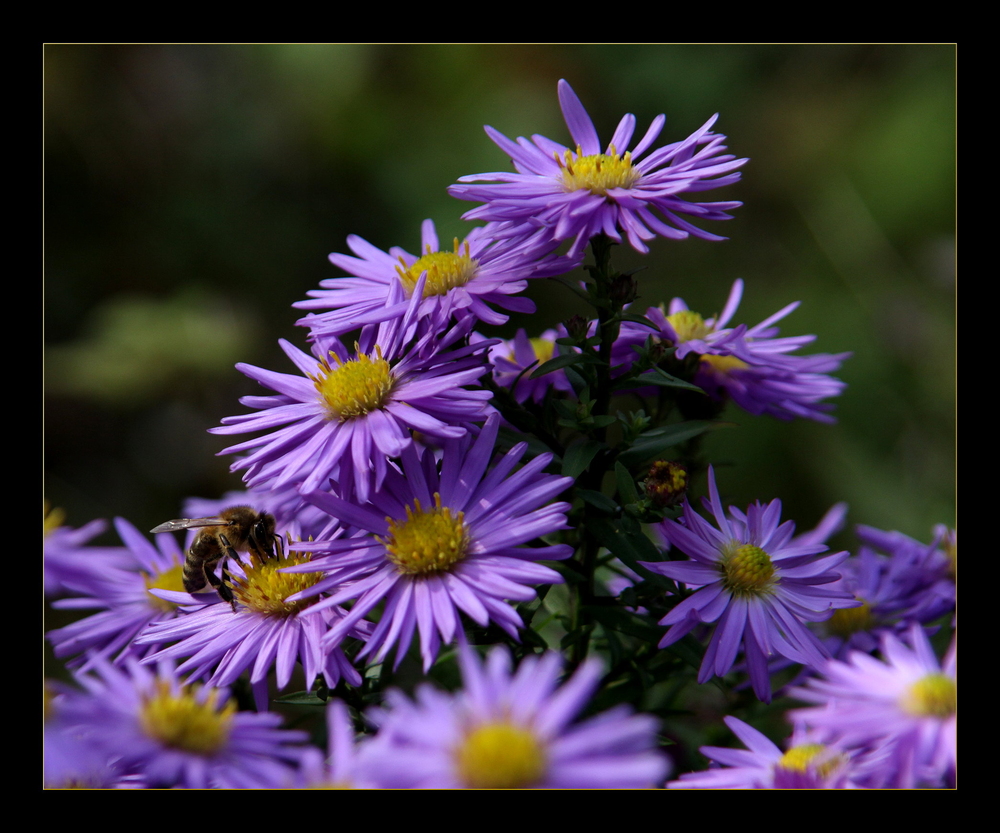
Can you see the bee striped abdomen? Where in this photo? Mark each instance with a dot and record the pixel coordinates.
(194, 575)
(204, 552)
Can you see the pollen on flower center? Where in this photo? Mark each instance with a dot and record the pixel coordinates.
(445, 270)
(688, 325)
(932, 696)
(949, 544)
(265, 589)
(543, 348)
(746, 569)
(430, 541)
(850, 620)
(54, 518)
(172, 579)
(723, 364)
(802, 758)
(597, 173)
(182, 721)
(500, 756)
(355, 387)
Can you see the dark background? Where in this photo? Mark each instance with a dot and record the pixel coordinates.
(192, 194)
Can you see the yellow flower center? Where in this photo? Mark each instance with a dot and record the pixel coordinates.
(445, 270)
(171, 579)
(598, 173)
(78, 783)
(543, 348)
(849, 620)
(430, 541)
(932, 696)
(802, 758)
(500, 756)
(949, 545)
(666, 482)
(355, 387)
(723, 364)
(746, 569)
(181, 722)
(53, 519)
(688, 325)
(265, 589)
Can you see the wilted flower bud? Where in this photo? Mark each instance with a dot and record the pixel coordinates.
(666, 483)
(624, 289)
(576, 327)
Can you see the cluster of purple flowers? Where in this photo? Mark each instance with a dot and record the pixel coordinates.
(398, 511)
(136, 726)
(879, 723)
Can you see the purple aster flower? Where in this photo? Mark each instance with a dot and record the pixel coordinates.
(894, 592)
(341, 767)
(914, 581)
(349, 412)
(126, 596)
(69, 563)
(753, 578)
(578, 194)
(266, 630)
(807, 764)
(176, 735)
(463, 281)
(751, 365)
(436, 542)
(71, 759)
(907, 700)
(513, 362)
(509, 730)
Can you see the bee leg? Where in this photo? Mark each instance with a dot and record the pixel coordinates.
(220, 584)
(224, 584)
(261, 542)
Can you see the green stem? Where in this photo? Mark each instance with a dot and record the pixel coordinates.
(608, 300)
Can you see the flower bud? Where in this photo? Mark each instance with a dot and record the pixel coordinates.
(666, 483)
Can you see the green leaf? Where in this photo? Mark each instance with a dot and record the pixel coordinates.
(652, 444)
(565, 408)
(629, 547)
(566, 341)
(557, 601)
(656, 376)
(574, 288)
(598, 500)
(565, 569)
(567, 360)
(579, 456)
(689, 650)
(508, 439)
(301, 698)
(529, 637)
(626, 485)
(580, 635)
(618, 619)
(639, 319)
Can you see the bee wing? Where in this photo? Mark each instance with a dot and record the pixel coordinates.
(189, 523)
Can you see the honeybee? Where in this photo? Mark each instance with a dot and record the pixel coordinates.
(236, 529)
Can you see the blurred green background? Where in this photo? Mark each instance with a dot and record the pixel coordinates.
(192, 194)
